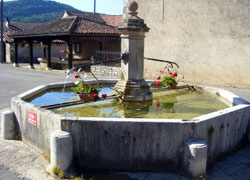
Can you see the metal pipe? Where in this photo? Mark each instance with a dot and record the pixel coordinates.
(159, 60)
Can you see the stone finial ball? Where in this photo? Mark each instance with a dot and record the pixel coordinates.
(133, 6)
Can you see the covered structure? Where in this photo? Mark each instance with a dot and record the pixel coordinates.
(82, 32)
(9, 28)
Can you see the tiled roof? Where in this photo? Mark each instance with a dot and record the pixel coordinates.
(13, 27)
(24, 25)
(69, 25)
(6, 35)
(83, 26)
(60, 26)
(111, 20)
(86, 15)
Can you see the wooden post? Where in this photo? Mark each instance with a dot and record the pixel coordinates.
(15, 64)
(70, 64)
(31, 66)
(49, 55)
(44, 53)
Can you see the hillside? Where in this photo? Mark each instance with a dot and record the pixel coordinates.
(34, 10)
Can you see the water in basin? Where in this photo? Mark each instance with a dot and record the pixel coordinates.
(57, 96)
(177, 104)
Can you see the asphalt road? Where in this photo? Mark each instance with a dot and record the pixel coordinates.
(14, 81)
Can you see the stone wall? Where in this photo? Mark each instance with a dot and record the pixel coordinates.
(209, 39)
(102, 70)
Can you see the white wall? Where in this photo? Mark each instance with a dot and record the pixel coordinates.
(209, 39)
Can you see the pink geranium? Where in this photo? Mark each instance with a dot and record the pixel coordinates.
(104, 96)
(76, 76)
(158, 83)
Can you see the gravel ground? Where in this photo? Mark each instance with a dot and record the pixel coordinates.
(20, 161)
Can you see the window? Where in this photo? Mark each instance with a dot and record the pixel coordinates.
(76, 48)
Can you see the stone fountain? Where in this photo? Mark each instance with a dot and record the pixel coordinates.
(132, 84)
(129, 144)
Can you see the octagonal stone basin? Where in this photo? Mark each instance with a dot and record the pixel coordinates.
(135, 144)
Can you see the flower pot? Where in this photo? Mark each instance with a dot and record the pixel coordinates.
(84, 97)
(172, 86)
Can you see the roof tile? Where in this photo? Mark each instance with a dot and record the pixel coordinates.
(76, 23)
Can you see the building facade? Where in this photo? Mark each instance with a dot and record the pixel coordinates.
(82, 33)
(209, 39)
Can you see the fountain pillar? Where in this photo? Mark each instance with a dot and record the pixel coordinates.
(132, 84)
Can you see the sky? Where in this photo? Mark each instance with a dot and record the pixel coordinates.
(102, 6)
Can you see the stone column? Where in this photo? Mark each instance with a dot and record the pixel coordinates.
(61, 150)
(132, 84)
(9, 125)
(195, 157)
(126, 3)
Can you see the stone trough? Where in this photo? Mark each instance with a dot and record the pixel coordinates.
(130, 144)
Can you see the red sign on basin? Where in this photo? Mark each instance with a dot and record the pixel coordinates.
(32, 118)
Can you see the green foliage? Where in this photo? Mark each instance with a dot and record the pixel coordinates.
(34, 10)
(61, 174)
(82, 88)
(58, 172)
(168, 80)
(54, 170)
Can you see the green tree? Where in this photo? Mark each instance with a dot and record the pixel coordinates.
(34, 10)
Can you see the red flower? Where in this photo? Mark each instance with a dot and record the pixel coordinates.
(160, 71)
(95, 55)
(91, 87)
(169, 73)
(159, 78)
(158, 83)
(104, 96)
(157, 104)
(175, 74)
(95, 96)
(76, 76)
(104, 56)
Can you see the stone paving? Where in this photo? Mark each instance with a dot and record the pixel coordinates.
(29, 164)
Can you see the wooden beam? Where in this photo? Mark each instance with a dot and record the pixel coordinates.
(49, 55)
(44, 53)
(31, 66)
(70, 63)
(16, 54)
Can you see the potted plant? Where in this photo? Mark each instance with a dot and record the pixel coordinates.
(12, 51)
(65, 52)
(85, 92)
(167, 80)
(43, 46)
